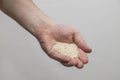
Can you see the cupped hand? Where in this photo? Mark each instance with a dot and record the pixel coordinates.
(63, 33)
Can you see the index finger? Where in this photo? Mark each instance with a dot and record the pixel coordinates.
(81, 43)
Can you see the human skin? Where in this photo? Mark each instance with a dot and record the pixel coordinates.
(46, 30)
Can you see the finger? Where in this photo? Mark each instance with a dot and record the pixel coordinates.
(80, 42)
(83, 56)
(72, 62)
(80, 64)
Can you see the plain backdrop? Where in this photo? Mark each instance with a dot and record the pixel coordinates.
(21, 57)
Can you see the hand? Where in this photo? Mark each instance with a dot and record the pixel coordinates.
(63, 33)
(29, 16)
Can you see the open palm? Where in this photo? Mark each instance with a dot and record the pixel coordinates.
(64, 33)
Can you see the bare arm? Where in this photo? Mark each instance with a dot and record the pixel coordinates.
(47, 31)
(26, 14)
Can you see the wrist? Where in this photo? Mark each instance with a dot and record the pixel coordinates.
(40, 27)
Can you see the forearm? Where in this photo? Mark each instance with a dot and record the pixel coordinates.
(26, 13)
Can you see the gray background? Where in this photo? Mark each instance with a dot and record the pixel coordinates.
(21, 57)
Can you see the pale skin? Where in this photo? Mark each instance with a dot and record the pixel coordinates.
(46, 31)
